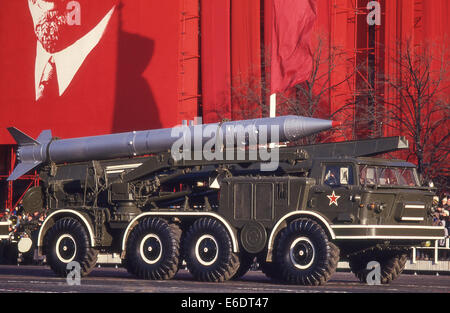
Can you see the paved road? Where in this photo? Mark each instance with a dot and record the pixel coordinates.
(110, 280)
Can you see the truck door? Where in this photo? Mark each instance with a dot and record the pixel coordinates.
(335, 194)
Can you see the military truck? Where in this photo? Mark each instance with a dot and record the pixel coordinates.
(323, 203)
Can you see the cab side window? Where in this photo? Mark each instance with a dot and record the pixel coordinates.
(367, 175)
(338, 175)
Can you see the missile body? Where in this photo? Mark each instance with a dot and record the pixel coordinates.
(32, 153)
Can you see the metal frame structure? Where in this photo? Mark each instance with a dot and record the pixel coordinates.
(9, 191)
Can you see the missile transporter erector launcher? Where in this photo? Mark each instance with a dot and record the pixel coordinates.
(320, 204)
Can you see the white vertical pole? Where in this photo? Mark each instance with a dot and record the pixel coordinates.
(273, 105)
(436, 252)
(273, 112)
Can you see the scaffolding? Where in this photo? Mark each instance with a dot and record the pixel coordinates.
(363, 44)
(13, 192)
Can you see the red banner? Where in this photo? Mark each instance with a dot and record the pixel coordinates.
(216, 60)
(246, 58)
(291, 61)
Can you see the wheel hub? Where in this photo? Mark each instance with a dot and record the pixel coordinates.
(66, 248)
(302, 253)
(151, 249)
(206, 250)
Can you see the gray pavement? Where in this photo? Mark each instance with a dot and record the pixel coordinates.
(40, 279)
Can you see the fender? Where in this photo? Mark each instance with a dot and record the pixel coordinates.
(66, 212)
(276, 228)
(198, 214)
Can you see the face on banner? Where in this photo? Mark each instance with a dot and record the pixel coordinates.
(89, 67)
(59, 23)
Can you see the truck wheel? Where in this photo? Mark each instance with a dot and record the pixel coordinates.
(68, 241)
(391, 265)
(208, 251)
(10, 254)
(153, 249)
(303, 255)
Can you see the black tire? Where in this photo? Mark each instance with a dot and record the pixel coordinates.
(303, 255)
(391, 263)
(9, 254)
(153, 249)
(2, 253)
(208, 251)
(245, 264)
(68, 241)
(28, 257)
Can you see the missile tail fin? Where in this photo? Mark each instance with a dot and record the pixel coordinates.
(24, 140)
(21, 138)
(22, 169)
(45, 136)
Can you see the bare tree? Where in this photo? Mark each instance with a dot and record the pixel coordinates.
(333, 70)
(417, 105)
(247, 93)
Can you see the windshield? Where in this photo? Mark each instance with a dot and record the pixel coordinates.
(387, 176)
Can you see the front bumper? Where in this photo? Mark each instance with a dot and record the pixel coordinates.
(388, 232)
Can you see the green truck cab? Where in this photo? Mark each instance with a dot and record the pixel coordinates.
(335, 207)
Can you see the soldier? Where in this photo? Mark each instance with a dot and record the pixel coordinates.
(435, 210)
(444, 203)
(6, 215)
(331, 178)
(447, 221)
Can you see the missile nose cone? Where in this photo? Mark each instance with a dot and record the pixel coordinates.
(297, 127)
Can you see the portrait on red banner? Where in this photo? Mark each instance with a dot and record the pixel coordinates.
(87, 67)
(63, 44)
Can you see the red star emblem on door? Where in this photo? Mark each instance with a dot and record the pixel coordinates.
(333, 198)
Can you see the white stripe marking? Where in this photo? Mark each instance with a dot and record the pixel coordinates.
(414, 206)
(414, 219)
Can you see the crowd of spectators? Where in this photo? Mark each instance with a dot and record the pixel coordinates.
(19, 219)
(22, 224)
(441, 213)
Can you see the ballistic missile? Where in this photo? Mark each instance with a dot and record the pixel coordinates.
(33, 152)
